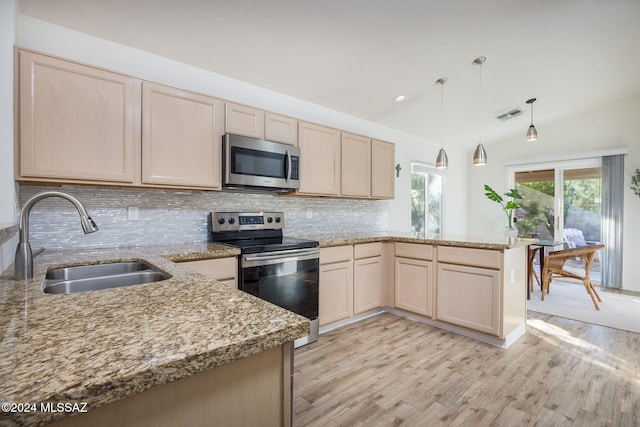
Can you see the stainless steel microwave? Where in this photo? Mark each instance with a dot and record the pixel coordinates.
(258, 164)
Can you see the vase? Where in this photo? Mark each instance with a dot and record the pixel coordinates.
(510, 232)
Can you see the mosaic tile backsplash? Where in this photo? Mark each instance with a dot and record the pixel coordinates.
(180, 216)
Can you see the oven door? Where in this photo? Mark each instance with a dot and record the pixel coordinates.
(257, 163)
(289, 279)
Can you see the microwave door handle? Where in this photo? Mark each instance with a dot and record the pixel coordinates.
(288, 165)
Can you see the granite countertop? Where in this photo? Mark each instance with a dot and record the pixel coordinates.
(101, 346)
(478, 242)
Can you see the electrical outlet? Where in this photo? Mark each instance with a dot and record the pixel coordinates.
(132, 213)
(309, 213)
(513, 276)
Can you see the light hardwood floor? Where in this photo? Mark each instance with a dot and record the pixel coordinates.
(387, 370)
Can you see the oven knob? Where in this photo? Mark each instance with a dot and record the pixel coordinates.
(220, 220)
(269, 220)
(277, 219)
(232, 220)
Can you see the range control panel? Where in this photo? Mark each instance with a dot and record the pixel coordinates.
(238, 221)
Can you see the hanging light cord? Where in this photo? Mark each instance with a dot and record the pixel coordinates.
(442, 114)
(531, 113)
(480, 101)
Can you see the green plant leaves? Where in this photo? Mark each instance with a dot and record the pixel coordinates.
(492, 195)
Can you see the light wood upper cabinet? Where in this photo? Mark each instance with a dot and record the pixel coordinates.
(279, 128)
(319, 159)
(181, 138)
(77, 123)
(383, 181)
(244, 120)
(356, 165)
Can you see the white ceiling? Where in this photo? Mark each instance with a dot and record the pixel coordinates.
(355, 56)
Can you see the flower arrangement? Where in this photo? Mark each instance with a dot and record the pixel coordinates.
(507, 207)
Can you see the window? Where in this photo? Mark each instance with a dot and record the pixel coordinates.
(426, 199)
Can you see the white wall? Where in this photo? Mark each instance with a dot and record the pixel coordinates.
(44, 37)
(7, 188)
(611, 126)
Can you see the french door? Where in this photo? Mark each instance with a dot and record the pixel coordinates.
(562, 202)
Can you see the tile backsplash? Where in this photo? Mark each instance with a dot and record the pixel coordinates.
(180, 216)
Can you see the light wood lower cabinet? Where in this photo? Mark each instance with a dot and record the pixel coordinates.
(336, 292)
(181, 138)
(367, 284)
(224, 270)
(367, 277)
(251, 391)
(414, 285)
(336, 284)
(470, 297)
(76, 123)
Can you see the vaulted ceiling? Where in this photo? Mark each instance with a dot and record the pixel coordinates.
(355, 56)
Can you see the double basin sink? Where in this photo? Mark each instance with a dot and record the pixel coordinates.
(68, 280)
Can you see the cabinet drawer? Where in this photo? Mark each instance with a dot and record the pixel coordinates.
(336, 254)
(469, 256)
(221, 269)
(367, 250)
(415, 251)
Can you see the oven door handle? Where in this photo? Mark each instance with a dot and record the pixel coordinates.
(282, 255)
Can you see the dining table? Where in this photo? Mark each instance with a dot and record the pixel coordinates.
(542, 247)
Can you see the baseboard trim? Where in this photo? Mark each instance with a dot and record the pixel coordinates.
(479, 336)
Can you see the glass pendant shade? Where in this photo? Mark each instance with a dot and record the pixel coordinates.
(479, 156)
(442, 162)
(532, 133)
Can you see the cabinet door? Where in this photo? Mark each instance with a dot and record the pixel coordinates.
(414, 285)
(336, 292)
(469, 297)
(356, 165)
(77, 123)
(244, 120)
(224, 270)
(181, 138)
(279, 128)
(383, 181)
(367, 284)
(319, 159)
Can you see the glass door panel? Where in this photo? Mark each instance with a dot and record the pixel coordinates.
(581, 212)
(536, 217)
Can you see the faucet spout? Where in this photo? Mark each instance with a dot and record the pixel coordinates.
(24, 257)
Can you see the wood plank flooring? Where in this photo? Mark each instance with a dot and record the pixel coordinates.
(389, 371)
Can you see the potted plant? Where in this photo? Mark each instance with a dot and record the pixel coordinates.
(635, 182)
(508, 207)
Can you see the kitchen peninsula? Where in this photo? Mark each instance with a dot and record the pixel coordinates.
(117, 347)
(179, 349)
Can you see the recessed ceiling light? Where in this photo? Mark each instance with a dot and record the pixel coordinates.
(400, 98)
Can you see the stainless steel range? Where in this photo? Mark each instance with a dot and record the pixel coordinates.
(278, 269)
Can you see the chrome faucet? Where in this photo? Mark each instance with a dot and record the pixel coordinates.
(24, 257)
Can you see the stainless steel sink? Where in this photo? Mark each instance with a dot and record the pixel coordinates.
(67, 280)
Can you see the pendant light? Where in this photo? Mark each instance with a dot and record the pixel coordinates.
(480, 156)
(532, 133)
(442, 162)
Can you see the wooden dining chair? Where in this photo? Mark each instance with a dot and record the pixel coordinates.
(554, 266)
